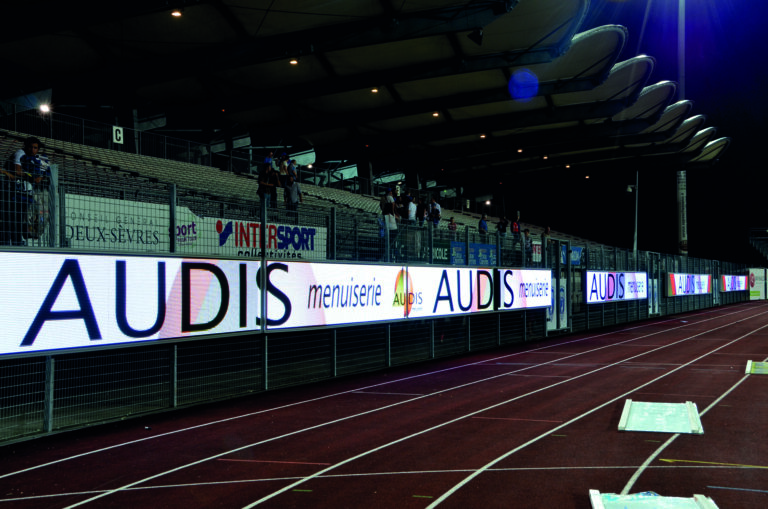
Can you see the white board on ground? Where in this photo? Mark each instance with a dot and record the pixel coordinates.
(660, 417)
(648, 500)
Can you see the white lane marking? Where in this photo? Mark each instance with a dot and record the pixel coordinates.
(658, 451)
(477, 472)
(327, 396)
(467, 479)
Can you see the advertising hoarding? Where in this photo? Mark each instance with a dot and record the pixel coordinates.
(316, 294)
(106, 223)
(234, 238)
(576, 255)
(602, 287)
(130, 225)
(757, 280)
(733, 283)
(450, 291)
(688, 284)
(524, 289)
(78, 301)
(73, 301)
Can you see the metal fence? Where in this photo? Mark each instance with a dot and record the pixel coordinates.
(96, 134)
(48, 393)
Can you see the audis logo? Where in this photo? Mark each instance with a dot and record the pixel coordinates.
(405, 295)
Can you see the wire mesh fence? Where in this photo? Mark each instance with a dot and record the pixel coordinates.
(90, 207)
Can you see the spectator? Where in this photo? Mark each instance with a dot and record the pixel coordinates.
(268, 161)
(283, 168)
(482, 226)
(546, 243)
(293, 170)
(264, 191)
(401, 210)
(546, 238)
(421, 211)
(435, 212)
(25, 171)
(452, 227)
(295, 196)
(412, 208)
(502, 225)
(528, 243)
(387, 203)
(390, 222)
(515, 226)
(274, 180)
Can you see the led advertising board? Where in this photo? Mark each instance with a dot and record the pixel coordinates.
(733, 283)
(316, 294)
(73, 301)
(757, 288)
(688, 284)
(78, 301)
(605, 287)
(450, 291)
(523, 288)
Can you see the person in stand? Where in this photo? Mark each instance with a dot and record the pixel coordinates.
(435, 212)
(412, 207)
(290, 172)
(515, 227)
(528, 244)
(502, 225)
(265, 191)
(295, 197)
(274, 180)
(482, 226)
(452, 227)
(25, 171)
(390, 221)
(546, 243)
(421, 211)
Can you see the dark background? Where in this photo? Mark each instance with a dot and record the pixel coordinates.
(725, 77)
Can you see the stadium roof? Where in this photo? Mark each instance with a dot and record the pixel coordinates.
(498, 86)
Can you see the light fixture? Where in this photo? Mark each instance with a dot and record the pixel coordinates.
(487, 202)
(482, 136)
(476, 36)
(567, 165)
(436, 114)
(374, 90)
(519, 151)
(545, 157)
(586, 177)
(44, 108)
(294, 61)
(176, 13)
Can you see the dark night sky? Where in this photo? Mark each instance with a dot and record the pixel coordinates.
(725, 77)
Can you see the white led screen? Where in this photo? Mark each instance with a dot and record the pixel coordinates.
(615, 286)
(72, 301)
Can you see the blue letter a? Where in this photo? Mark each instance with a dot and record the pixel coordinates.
(69, 269)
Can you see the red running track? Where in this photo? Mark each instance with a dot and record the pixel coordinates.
(531, 426)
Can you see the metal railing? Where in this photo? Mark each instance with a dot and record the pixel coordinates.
(89, 133)
(106, 212)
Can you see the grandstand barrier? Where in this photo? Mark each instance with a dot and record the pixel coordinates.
(144, 297)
